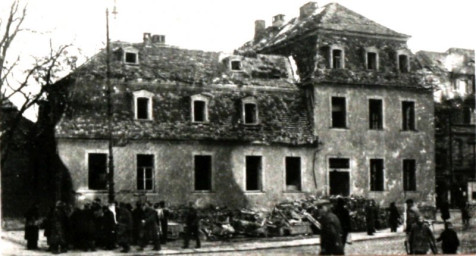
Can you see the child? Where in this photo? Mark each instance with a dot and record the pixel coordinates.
(449, 238)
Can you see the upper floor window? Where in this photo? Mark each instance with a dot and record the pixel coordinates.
(409, 175)
(97, 171)
(403, 61)
(371, 58)
(143, 105)
(336, 57)
(250, 111)
(131, 55)
(145, 172)
(199, 109)
(235, 65)
(338, 112)
(376, 175)
(408, 115)
(375, 114)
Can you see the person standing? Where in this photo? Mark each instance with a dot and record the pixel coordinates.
(109, 226)
(393, 217)
(412, 215)
(124, 227)
(445, 211)
(331, 230)
(150, 227)
(370, 217)
(192, 227)
(421, 238)
(32, 219)
(449, 239)
(344, 217)
(465, 217)
(164, 221)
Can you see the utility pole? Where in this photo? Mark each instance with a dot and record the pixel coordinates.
(111, 192)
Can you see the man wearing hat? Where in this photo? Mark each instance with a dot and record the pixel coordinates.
(331, 231)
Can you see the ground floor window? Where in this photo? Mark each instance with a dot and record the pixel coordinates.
(145, 172)
(339, 176)
(409, 169)
(203, 172)
(253, 173)
(97, 171)
(293, 173)
(376, 175)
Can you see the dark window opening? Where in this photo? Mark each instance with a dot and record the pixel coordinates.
(339, 176)
(376, 175)
(372, 60)
(145, 172)
(142, 108)
(253, 173)
(409, 182)
(338, 163)
(408, 115)
(293, 173)
(403, 63)
(203, 173)
(199, 111)
(97, 171)
(250, 113)
(468, 115)
(236, 65)
(338, 112)
(375, 115)
(131, 57)
(336, 59)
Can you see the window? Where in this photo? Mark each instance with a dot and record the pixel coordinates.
(97, 171)
(376, 175)
(253, 173)
(375, 114)
(339, 176)
(145, 172)
(409, 168)
(199, 111)
(469, 115)
(371, 60)
(337, 59)
(408, 115)
(338, 112)
(143, 105)
(338, 163)
(250, 111)
(235, 65)
(203, 173)
(131, 58)
(403, 64)
(293, 173)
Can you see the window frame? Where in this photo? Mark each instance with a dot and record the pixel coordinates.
(212, 171)
(383, 185)
(143, 94)
(346, 124)
(153, 178)
(374, 50)
(130, 50)
(382, 114)
(244, 102)
(330, 169)
(332, 48)
(406, 53)
(240, 66)
(203, 98)
(86, 167)
(402, 119)
(261, 182)
(404, 188)
(301, 165)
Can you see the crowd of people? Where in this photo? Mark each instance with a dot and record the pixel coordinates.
(95, 225)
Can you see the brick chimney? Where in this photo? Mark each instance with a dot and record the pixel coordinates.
(307, 9)
(278, 20)
(146, 38)
(260, 27)
(158, 39)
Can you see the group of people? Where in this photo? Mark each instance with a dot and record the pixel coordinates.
(96, 225)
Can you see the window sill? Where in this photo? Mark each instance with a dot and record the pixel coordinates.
(377, 130)
(143, 120)
(253, 124)
(339, 128)
(201, 123)
(90, 191)
(293, 191)
(255, 192)
(203, 192)
(409, 131)
(378, 192)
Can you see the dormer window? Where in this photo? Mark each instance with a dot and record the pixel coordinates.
(403, 61)
(235, 65)
(131, 58)
(130, 55)
(371, 58)
(143, 105)
(199, 109)
(336, 57)
(250, 111)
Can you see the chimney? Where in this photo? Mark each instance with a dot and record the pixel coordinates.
(260, 27)
(146, 38)
(278, 20)
(307, 9)
(158, 39)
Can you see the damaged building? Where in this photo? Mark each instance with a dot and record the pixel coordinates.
(372, 108)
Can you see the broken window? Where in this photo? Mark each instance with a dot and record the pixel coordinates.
(251, 113)
(338, 112)
(203, 172)
(408, 115)
(142, 108)
(376, 175)
(131, 58)
(97, 171)
(337, 58)
(199, 111)
(339, 177)
(372, 60)
(375, 114)
(403, 63)
(145, 172)
(409, 169)
(253, 173)
(235, 65)
(293, 173)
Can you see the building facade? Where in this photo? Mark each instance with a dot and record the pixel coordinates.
(372, 110)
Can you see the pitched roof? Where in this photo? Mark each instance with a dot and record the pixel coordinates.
(455, 60)
(332, 16)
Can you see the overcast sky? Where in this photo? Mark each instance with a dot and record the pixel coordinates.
(224, 25)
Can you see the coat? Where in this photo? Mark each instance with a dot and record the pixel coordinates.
(124, 225)
(370, 217)
(394, 216)
(450, 241)
(57, 224)
(331, 233)
(412, 217)
(421, 239)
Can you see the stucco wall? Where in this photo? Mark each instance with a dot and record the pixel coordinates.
(391, 144)
(174, 176)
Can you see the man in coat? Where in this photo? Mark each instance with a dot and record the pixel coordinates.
(151, 228)
(192, 226)
(124, 227)
(331, 231)
(421, 238)
(109, 226)
(164, 221)
(370, 217)
(344, 217)
(449, 239)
